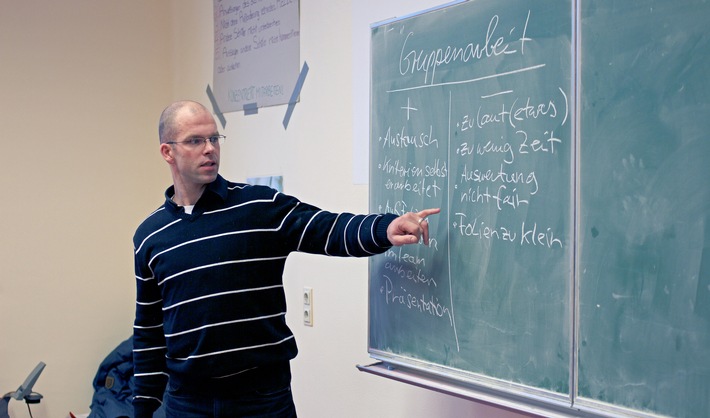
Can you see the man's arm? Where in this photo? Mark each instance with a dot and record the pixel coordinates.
(309, 229)
(150, 376)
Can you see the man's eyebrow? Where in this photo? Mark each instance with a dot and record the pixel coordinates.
(201, 136)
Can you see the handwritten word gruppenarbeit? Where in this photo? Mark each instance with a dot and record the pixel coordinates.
(420, 61)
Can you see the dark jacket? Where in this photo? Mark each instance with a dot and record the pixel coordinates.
(113, 385)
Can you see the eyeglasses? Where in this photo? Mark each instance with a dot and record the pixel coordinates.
(198, 141)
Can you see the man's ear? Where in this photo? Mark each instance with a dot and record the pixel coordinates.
(167, 152)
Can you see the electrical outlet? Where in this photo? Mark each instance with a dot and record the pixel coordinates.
(308, 316)
(307, 296)
(308, 306)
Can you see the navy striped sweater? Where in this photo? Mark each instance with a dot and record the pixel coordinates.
(210, 299)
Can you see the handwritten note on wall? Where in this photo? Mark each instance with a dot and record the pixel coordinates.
(256, 52)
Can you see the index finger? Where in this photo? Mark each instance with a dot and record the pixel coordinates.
(422, 214)
(425, 226)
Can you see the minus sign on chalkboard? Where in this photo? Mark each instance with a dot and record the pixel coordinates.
(496, 94)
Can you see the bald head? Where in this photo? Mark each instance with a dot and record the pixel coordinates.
(169, 125)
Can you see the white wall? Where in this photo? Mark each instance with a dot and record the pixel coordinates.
(83, 83)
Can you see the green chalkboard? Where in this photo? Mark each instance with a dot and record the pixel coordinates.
(471, 112)
(567, 145)
(645, 205)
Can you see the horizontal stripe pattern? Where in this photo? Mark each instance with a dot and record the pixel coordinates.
(210, 299)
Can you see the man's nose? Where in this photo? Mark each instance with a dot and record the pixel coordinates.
(209, 146)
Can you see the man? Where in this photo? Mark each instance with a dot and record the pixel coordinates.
(210, 306)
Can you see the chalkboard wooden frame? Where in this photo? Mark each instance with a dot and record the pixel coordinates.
(413, 361)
